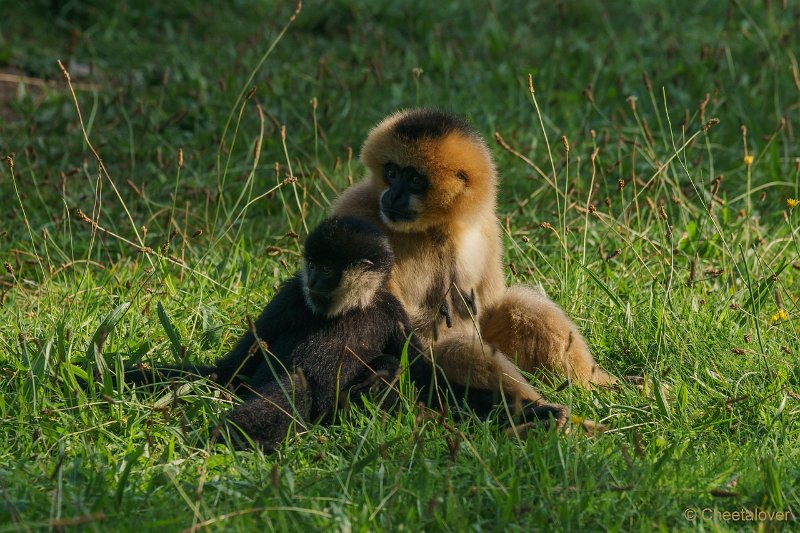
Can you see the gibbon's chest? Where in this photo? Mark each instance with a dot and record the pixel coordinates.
(439, 277)
(361, 333)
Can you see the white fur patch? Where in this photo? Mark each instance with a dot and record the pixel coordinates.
(471, 256)
(304, 288)
(356, 289)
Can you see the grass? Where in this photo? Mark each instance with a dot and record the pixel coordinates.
(667, 236)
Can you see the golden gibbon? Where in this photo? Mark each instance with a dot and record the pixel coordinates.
(431, 185)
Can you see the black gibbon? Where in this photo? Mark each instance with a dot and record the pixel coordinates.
(327, 326)
(332, 326)
(431, 185)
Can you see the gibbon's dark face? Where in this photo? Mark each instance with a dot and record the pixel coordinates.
(400, 202)
(430, 168)
(322, 278)
(346, 260)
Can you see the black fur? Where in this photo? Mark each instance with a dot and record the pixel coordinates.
(333, 353)
(345, 241)
(431, 123)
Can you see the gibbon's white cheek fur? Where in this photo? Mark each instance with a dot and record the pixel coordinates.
(356, 289)
(306, 292)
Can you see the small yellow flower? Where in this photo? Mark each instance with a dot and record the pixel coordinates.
(792, 202)
(748, 160)
(780, 316)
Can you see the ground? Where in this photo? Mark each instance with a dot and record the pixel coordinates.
(650, 171)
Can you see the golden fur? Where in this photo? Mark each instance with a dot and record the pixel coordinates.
(452, 253)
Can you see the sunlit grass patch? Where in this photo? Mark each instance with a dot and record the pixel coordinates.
(631, 193)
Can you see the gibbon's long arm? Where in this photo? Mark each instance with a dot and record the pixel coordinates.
(247, 355)
(244, 359)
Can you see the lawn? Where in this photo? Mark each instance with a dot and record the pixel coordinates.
(650, 164)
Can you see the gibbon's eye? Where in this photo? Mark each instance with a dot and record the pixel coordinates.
(389, 172)
(418, 183)
(326, 269)
(310, 264)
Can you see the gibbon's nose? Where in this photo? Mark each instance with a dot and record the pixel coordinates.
(313, 280)
(392, 195)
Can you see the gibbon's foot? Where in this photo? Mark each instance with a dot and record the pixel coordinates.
(545, 414)
(590, 427)
(539, 416)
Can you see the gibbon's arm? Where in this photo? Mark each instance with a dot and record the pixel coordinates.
(243, 359)
(147, 375)
(246, 356)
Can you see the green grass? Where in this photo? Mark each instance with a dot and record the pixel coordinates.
(661, 284)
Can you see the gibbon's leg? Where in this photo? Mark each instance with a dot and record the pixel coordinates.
(464, 361)
(536, 333)
(481, 366)
(267, 414)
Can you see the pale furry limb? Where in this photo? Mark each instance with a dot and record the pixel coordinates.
(466, 362)
(536, 333)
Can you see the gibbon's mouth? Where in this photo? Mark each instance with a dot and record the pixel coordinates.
(396, 215)
(320, 295)
(319, 301)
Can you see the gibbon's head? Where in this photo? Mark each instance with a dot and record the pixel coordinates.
(431, 168)
(346, 261)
